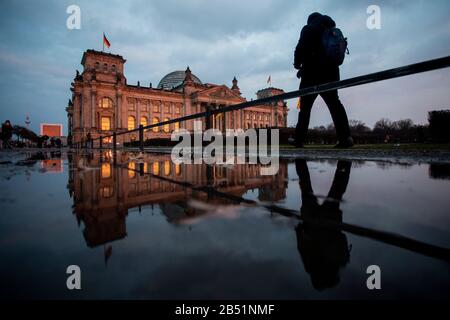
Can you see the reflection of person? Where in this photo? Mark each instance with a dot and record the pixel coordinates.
(323, 251)
(315, 69)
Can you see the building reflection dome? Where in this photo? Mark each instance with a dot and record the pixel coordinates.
(174, 79)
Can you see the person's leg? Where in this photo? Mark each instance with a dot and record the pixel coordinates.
(337, 190)
(338, 114)
(309, 200)
(301, 130)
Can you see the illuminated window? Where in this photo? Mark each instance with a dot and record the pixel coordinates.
(176, 126)
(107, 140)
(145, 167)
(131, 170)
(156, 107)
(154, 121)
(254, 116)
(166, 127)
(156, 167)
(106, 170)
(106, 103)
(167, 167)
(106, 123)
(131, 122)
(177, 169)
(177, 109)
(248, 116)
(144, 121)
(167, 108)
(107, 192)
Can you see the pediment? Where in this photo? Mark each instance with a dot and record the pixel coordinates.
(219, 93)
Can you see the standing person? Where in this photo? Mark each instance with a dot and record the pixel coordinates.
(316, 67)
(7, 131)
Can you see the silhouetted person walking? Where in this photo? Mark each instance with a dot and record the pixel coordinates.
(323, 250)
(319, 52)
(7, 131)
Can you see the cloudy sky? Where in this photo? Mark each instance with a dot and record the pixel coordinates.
(219, 39)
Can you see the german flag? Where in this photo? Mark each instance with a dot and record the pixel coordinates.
(105, 41)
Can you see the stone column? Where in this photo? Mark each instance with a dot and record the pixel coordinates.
(93, 106)
(224, 121)
(76, 111)
(138, 113)
(118, 110)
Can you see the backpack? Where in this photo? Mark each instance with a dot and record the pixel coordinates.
(334, 46)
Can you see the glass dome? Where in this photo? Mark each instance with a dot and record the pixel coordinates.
(174, 79)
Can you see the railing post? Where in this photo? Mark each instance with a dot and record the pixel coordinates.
(100, 143)
(141, 169)
(208, 117)
(114, 141)
(141, 137)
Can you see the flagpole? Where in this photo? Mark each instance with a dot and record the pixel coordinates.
(103, 41)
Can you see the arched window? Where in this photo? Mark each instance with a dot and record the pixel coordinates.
(131, 170)
(144, 121)
(114, 67)
(106, 103)
(107, 192)
(177, 169)
(105, 67)
(166, 167)
(154, 121)
(166, 127)
(105, 123)
(155, 168)
(106, 170)
(131, 122)
(97, 65)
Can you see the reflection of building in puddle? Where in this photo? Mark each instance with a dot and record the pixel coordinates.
(52, 165)
(102, 197)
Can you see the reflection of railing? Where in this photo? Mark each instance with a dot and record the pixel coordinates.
(356, 81)
(382, 236)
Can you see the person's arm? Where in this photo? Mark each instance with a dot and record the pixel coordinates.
(302, 48)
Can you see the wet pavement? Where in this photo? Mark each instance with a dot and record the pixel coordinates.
(142, 227)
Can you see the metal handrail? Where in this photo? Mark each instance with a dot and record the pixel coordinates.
(415, 68)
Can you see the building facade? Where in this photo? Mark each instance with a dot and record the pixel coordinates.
(103, 102)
